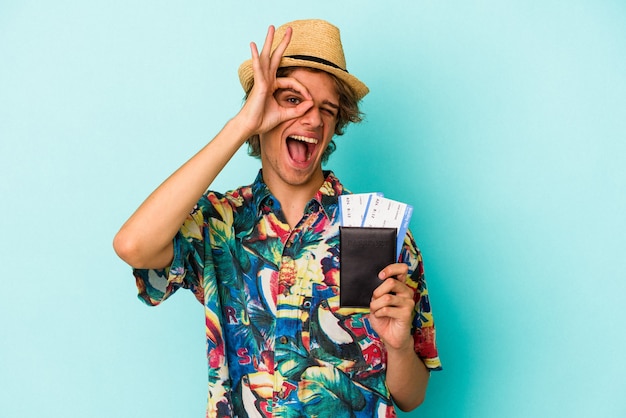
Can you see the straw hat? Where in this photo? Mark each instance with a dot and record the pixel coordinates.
(315, 44)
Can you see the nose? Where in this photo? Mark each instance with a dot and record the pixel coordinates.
(313, 117)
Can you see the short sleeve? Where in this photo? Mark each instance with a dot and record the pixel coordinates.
(186, 270)
(423, 328)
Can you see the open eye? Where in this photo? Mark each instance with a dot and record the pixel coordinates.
(288, 97)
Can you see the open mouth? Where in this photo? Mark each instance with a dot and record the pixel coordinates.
(301, 148)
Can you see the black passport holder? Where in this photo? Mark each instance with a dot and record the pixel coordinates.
(364, 253)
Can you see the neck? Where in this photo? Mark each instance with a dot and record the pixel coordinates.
(294, 198)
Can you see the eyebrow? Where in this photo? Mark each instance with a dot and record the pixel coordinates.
(288, 90)
(331, 104)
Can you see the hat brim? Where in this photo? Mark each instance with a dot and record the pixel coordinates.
(246, 74)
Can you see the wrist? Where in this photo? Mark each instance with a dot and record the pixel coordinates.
(238, 128)
(402, 347)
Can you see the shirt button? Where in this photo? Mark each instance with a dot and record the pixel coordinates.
(283, 340)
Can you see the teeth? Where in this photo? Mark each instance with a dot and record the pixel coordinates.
(304, 139)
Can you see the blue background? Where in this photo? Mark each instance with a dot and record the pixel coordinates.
(502, 123)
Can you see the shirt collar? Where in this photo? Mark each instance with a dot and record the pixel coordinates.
(327, 195)
(260, 191)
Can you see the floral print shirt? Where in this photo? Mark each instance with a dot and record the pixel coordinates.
(278, 343)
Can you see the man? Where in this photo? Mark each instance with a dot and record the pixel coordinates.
(264, 259)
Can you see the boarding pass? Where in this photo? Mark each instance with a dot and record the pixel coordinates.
(374, 210)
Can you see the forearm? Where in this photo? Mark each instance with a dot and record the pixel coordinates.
(407, 377)
(145, 240)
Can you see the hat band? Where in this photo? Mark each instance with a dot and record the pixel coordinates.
(315, 59)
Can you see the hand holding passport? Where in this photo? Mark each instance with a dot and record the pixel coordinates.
(371, 234)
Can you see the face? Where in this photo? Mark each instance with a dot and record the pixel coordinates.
(291, 153)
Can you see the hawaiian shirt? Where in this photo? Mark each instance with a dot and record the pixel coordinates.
(278, 343)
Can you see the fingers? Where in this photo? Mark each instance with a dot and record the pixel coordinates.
(393, 297)
(262, 106)
(265, 52)
(292, 84)
(260, 62)
(269, 39)
(397, 270)
(393, 287)
(267, 62)
(280, 49)
(393, 307)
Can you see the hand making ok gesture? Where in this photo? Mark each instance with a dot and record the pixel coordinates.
(262, 112)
